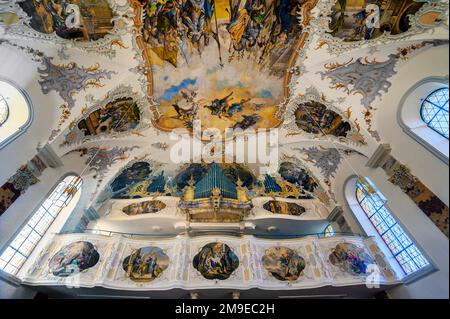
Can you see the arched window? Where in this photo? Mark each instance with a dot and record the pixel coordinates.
(434, 111)
(15, 112)
(63, 198)
(423, 115)
(4, 109)
(372, 202)
(329, 231)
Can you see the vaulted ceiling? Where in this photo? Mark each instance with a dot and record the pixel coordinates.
(129, 72)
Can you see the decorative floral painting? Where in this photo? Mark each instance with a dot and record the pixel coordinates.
(74, 258)
(350, 258)
(119, 116)
(145, 264)
(82, 20)
(355, 20)
(277, 207)
(147, 207)
(216, 261)
(314, 117)
(283, 263)
(205, 56)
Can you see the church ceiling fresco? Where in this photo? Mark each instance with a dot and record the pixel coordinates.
(349, 23)
(120, 111)
(91, 25)
(297, 175)
(82, 20)
(312, 114)
(294, 65)
(348, 17)
(203, 57)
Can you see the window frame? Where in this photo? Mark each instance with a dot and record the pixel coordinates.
(23, 128)
(370, 230)
(409, 116)
(441, 109)
(3, 99)
(12, 277)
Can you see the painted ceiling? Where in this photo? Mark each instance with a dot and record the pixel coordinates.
(127, 73)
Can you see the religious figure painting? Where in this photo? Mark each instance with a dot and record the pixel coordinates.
(350, 258)
(284, 208)
(119, 116)
(147, 207)
(81, 20)
(299, 177)
(216, 261)
(314, 117)
(73, 259)
(283, 263)
(355, 20)
(223, 62)
(145, 264)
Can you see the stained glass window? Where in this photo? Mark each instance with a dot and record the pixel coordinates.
(4, 110)
(404, 250)
(21, 247)
(434, 111)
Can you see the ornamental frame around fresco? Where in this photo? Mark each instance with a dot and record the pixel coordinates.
(120, 92)
(103, 46)
(312, 94)
(337, 45)
(144, 69)
(109, 273)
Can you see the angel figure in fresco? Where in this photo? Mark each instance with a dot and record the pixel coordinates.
(186, 107)
(372, 20)
(218, 106)
(235, 107)
(367, 20)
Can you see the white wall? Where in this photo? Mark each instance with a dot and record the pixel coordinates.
(425, 234)
(431, 170)
(18, 68)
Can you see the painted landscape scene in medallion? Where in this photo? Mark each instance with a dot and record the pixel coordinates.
(222, 62)
(74, 259)
(283, 263)
(216, 261)
(350, 258)
(82, 20)
(145, 264)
